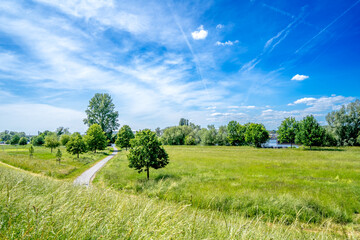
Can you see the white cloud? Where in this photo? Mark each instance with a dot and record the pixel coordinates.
(227, 43)
(323, 104)
(307, 101)
(243, 107)
(299, 77)
(219, 26)
(200, 34)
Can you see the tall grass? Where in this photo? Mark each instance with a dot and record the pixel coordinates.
(41, 208)
(44, 162)
(284, 185)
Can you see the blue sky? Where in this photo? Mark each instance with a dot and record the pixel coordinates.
(208, 61)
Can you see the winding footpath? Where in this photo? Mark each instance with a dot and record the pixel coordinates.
(86, 177)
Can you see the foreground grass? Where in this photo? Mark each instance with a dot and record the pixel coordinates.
(44, 162)
(34, 207)
(285, 185)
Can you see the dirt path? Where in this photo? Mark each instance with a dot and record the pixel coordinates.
(86, 177)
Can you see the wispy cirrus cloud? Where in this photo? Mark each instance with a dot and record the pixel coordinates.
(227, 43)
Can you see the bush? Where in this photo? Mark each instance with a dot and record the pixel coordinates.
(15, 139)
(23, 141)
(64, 139)
(37, 141)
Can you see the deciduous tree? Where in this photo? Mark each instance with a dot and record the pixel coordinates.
(23, 141)
(236, 133)
(147, 152)
(76, 145)
(124, 136)
(64, 139)
(95, 138)
(101, 110)
(51, 141)
(256, 134)
(345, 123)
(58, 155)
(310, 132)
(15, 139)
(287, 130)
(31, 151)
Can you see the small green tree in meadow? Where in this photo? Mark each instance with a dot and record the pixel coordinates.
(124, 136)
(15, 139)
(310, 132)
(31, 151)
(23, 141)
(95, 138)
(37, 141)
(64, 139)
(76, 145)
(256, 134)
(58, 155)
(147, 152)
(287, 130)
(51, 141)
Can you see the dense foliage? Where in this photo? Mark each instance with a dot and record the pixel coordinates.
(76, 145)
(101, 110)
(287, 130)
(146, 152)
(124, 136)
(51, 141)
(95, 138)
(345, 124)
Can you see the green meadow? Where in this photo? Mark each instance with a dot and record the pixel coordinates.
(278, 185)
(44, 162)
(39, 207)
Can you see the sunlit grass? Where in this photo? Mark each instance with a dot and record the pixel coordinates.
(44, 162)
(34, 207)
(284, 185)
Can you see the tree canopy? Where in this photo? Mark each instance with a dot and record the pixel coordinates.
(147, 152)
(15, 139)
(95, 138)
(287, 130)
(256, 134)
(124, 136)
(51, 141)
(236, 133)
(23, 141)
(76, 145)
(101, 110)
(310, 132)
(345, 124)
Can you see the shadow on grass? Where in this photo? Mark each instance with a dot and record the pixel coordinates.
(166, 176)
(324, 149)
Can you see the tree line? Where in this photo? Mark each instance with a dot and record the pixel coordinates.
(343, 128)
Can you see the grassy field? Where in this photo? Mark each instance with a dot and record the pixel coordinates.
(33, 207)
(280, 185)
(44, 162)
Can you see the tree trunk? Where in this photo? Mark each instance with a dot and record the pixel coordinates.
(78, 155)
(95, 150)
(51, 150)
(291, 145)
(310, 147)
(147, 173)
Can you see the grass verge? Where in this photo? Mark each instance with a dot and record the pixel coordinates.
(34, 207)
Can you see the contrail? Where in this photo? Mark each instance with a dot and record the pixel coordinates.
(325, 28)
(192, 52)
